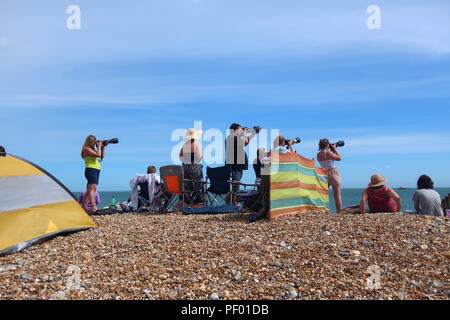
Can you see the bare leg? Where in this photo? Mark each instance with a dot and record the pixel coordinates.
(337, 198)
(92, 197)
(92, 188)
(230, 199)
(86, 199)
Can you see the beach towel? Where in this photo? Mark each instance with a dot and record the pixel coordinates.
(119, 208)
(151, 179)
(296, 185)
(225, 208)
(350, 210)
(105, 211)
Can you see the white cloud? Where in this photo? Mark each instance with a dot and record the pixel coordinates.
(288, 93)
(53, 101)
(219, 28)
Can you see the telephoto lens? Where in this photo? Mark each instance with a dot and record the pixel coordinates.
(340, 143)
(294, 141)
(110, 141)
(257, 129)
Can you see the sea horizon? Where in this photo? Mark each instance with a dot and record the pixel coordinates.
(350, 196)
(395, 188)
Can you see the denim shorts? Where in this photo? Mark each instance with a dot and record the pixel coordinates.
(92, 175)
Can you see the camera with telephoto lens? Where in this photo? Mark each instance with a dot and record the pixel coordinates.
(294, 141)
(339, 144)
(110, 141)
(257, 129)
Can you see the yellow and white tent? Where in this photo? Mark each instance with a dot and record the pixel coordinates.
(34, 206)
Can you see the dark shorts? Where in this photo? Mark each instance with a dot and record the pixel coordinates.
(92, 175)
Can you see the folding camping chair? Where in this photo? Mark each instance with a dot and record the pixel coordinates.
(157, 205)
(248, 196)
(220, 186)
(174, 184)
(255, 201)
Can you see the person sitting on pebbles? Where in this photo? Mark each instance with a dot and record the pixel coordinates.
(380, 197)
(426, 200)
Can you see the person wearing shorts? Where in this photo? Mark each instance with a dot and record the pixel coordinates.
(327, 155)
(92, 175)
(236, 158)
(92, 150)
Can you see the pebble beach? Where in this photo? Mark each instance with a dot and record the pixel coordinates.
(211, 257)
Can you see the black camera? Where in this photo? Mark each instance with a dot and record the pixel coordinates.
(339, 144)
(257, 129)
(294, 141)
(111, 141)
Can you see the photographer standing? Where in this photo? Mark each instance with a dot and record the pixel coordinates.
(280, 145)
(91, 151)
(326, 157)
(235, 144)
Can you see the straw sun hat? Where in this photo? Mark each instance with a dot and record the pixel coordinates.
(377, 180)
(193, 134)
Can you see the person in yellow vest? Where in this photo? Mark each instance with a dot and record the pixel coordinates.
(92, 150)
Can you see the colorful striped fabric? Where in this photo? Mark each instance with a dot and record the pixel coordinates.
(296, 185)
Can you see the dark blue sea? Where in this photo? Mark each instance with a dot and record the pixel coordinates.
(350, 197)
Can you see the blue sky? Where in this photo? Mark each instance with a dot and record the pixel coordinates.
(311, 69)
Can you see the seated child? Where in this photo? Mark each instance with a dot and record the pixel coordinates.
(149, 186)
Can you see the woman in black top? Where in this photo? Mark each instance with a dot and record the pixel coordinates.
(191, 156)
